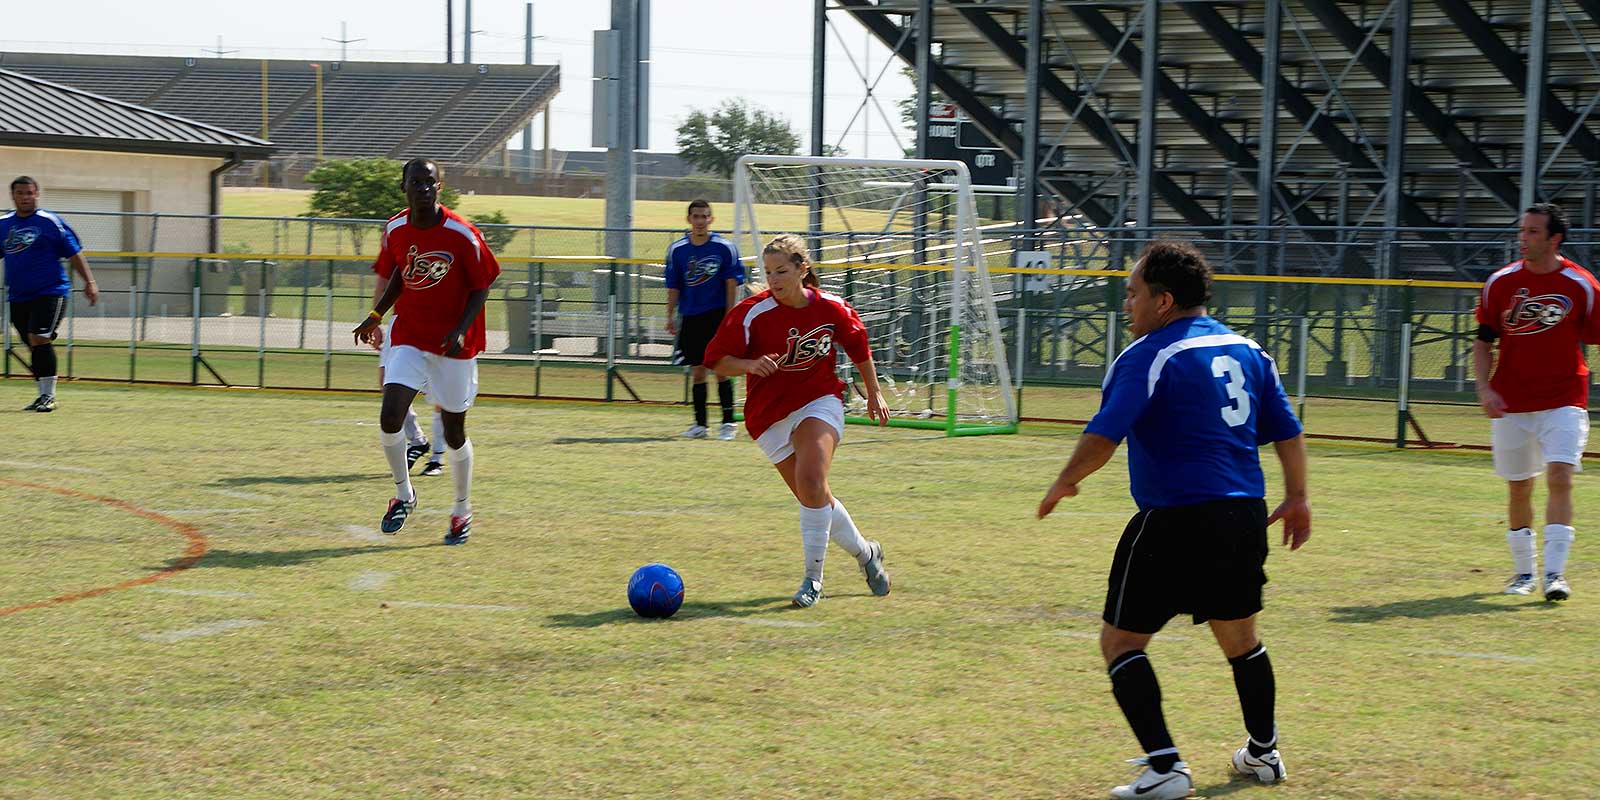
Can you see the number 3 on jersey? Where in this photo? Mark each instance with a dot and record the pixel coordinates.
(1238, 413)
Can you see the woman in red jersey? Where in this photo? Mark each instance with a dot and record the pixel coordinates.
(782, 339)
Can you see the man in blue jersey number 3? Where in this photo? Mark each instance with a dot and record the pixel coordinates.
(33, 243)
(1195, 402)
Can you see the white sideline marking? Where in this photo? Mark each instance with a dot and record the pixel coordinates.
(366, 534)
(200, 630)
(204, 593)
(338, 422)
(451, 606)
(56, 467)
(175, 512)
(238, 495)
(368, 581)
(1484, 656)
(769, 623)
(1176, 637)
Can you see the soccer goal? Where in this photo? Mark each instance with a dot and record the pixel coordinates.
(899, 240)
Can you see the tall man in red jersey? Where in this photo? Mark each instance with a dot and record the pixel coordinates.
(445, 272)
(1541, 310)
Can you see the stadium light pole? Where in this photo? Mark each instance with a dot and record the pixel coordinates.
(318, 68)
(449, 31)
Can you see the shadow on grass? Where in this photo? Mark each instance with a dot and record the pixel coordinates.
(299, 480)
(611, 439)
(736, 608)
(1424, 609)
(1236, 784)
(243, 559)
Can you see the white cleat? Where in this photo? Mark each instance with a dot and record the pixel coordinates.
(729, 432)
(810, 592)
(1555, 587)
(696, 432)
(1267, 768)
(1152, 785)
(1521, 584)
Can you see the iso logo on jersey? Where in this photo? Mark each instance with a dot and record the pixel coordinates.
(424, 270)
(702, 269)
(808, 348)
(20, 239)
(1534, 314)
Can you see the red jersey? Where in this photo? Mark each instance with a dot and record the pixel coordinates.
(1543, 322)
(440, 265)
(801, 340)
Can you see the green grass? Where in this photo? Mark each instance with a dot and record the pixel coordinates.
(1401, 672)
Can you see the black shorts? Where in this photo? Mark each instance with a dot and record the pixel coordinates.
(40, 316)
(1205, 560)
(693, 336)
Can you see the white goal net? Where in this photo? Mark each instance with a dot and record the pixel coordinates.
(898, 240)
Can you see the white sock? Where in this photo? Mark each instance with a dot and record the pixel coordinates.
(438, 436)
(412, 430)
(844, 533)
(394, 449)
(814, 524)
(1521, 542)
(461, 472)
(47, 385)
(1557, 544)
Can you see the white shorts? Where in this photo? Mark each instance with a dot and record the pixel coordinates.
(775, 442)
(1525, 442)
(451, 383)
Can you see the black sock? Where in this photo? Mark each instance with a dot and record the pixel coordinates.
(1252, 676)
(700, 404)
(1133, 683)
(44, 360)
(725, 394)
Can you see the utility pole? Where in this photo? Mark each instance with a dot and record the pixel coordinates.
(219, 52)
(344, 41)
(449, 32)
(466, 33)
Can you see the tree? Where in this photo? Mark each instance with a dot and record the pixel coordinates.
(908, 106)
(715, 141)
(362, 188)
(496, 238)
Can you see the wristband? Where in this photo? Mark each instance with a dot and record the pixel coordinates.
(375, 315)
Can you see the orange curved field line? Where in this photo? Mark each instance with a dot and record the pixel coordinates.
(191, 555)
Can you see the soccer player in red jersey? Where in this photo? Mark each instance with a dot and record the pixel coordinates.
(445, 272)
(783, 340)
(1540, 310)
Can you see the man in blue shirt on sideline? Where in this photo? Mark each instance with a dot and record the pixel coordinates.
(703, 274)
(1195, 401)
(33, 242)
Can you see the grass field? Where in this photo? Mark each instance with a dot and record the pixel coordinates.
(306, 656)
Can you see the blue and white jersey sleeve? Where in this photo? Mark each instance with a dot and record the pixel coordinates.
(1276, 421)
(674, 274)
(1125, 393)
(66, 240)
(733, 269)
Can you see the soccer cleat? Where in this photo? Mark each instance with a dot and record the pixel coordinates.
(416, 451)
(460, 529)
(399, 511)
(1152, 785)
(433, 468)
(696, 432)
(877, 576)
(44, 403)
(1555, 587)
(1267, 768)
(810, 592)
(1520, 584)
(729, 432)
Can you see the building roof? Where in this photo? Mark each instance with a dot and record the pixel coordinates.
(38, 113)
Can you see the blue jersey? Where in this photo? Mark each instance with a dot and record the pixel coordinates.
(699, 272)
(1195, 401)
(33, 247)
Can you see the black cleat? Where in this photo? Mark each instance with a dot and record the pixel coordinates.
(460, 529)
(416, 451)
(44, 404)
(395, 518)
(433, 469)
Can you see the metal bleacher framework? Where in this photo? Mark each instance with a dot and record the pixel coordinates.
(1398, 125)
(455, 113)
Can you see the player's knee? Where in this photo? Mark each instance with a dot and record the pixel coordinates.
(35, 340)
(1558, 476)
(1520, 489)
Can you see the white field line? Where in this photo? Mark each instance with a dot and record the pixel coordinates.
(1484, 656)
(451, 606)
(367, 534)
(238, 495)
(367, 581)
(769, 623)
(192, 512)
(52, 467)
(205, 593)
(208, 629)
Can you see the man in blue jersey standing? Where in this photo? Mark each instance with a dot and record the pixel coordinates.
(33, 242)
(703, 274)
(1195, 401)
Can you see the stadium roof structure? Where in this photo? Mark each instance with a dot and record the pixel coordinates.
(39, 113)
(452, 113)
(1377, 123)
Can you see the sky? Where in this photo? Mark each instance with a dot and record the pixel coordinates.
(702, 51)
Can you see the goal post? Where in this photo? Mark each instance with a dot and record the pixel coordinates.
(899, 239)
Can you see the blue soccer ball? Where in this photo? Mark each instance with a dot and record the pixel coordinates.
(655, 590)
